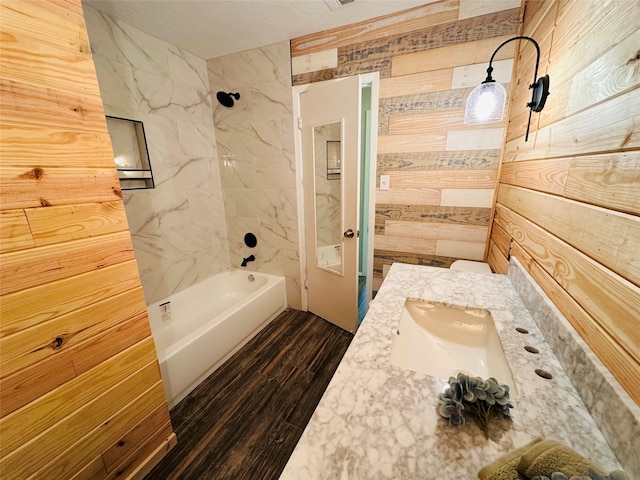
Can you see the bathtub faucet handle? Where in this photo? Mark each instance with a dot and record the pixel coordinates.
(250, 258)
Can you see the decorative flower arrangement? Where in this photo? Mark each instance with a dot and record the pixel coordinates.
(479, 399)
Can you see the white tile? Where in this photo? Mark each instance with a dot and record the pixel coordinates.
(315, 61)
(126, 44)
(474, 8)
(453, 197)
(466, 250)
(474, 139)
(251, 67)
(186, 68)
(254, 138)
(195, 139)
(115, 79)
(161, 96)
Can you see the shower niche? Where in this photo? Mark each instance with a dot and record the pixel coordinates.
(130, 153)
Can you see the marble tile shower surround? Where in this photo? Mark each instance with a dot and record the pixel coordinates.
(378, 421)
(257, 161)
(179, 228)
(615, 413)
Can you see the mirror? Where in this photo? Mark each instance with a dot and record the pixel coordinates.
(327, 154)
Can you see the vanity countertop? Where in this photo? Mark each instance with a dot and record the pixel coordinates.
(378, 421)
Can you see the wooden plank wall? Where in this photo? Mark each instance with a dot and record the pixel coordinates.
(569, 198)
(80, 389)
(442, 173)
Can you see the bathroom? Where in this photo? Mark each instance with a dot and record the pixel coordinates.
(208, 195)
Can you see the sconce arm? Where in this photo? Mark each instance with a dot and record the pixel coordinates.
(521, 37)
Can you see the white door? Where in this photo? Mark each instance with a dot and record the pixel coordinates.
(330, 156)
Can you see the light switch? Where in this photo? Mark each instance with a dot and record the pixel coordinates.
(384, 182)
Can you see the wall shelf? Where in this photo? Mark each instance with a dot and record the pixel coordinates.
(130, 153)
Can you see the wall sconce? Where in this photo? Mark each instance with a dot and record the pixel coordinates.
(486, 103)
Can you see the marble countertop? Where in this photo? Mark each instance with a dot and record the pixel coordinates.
(378, 421)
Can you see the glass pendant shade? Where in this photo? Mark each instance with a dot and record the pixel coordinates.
(486, 104)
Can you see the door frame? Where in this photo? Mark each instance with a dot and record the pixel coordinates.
(373, 79)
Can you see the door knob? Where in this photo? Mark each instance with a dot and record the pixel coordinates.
(348, 234)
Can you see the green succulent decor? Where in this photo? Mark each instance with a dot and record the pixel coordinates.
(476, 398)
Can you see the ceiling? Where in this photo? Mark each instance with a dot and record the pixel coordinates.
(212, 28)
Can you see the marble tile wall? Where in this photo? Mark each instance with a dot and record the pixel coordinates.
(256, 159)
(179, 230)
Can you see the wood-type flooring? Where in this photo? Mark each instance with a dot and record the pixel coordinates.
(244, 420)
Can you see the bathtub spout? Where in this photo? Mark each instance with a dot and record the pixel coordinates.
(250, 258)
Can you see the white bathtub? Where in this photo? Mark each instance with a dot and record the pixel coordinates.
(199, 328)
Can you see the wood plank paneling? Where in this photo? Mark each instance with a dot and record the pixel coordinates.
(451, 56)
(84, 450)
(435, 231)
(29, 346)
(417, 84)
(429, 214)
(432, 37)
(428, 66)
(501, 239)
(600, 292)
(62, 436)
(545, 175)
(29, 422)
(134, 438)
(439, 179)
(79, 367)
(30, 268)
(58, 108)
(464, 160)
(583, 226)
(496, 259)
(14, 231)
(568, 198)
(419, 196)
(394, 24)
(609, 181)
(73, 222)
(155, 443)
(40, 187)
(29, 307)
(24, 145)
(625, 369)
(32, 382)
(34, 61)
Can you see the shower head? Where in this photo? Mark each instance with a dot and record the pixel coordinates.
(225, 98)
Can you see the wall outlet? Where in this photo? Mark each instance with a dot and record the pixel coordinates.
(384, 182)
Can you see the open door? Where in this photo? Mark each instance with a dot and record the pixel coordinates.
(330, 157)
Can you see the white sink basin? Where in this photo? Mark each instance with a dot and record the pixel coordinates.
(441, 340)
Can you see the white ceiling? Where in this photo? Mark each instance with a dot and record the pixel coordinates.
(212, 28)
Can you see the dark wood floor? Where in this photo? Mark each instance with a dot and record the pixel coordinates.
(244, 421)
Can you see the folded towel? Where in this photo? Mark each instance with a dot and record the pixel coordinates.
(505, 468)
(549, 456)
